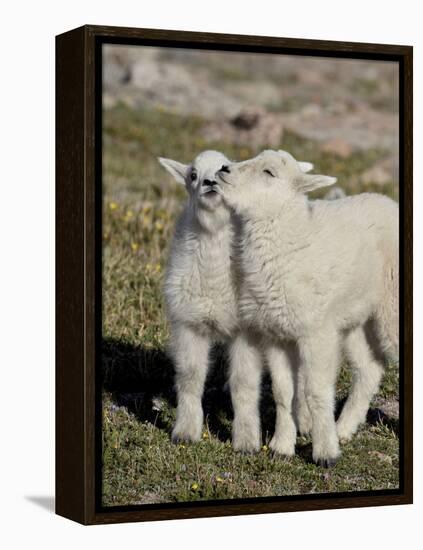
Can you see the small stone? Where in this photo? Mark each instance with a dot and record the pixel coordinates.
(338, 147)
(380, 173)
(246, 120)
(252, 127)
(311, 110)
(381, 456)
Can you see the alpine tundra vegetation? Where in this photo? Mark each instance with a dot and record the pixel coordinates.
(141, 205)
(322, 275)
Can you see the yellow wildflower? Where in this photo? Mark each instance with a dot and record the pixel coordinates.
(205, 435)
(146, 221)
(159, 225)
(195, 487)
(265, 448)
(219, 479)
(113, 205)
(162, 214)
(135, 246)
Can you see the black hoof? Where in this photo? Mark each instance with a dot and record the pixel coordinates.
(326, 462)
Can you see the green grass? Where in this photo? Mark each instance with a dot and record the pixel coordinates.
(140, 465)
(143, 466)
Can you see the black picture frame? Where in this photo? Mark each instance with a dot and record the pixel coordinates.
(78, 272)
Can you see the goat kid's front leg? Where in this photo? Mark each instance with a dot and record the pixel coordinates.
(319, 355)
(191, 355)
(244, 382)
(281, 371)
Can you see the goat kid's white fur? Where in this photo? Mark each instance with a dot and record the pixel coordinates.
(200, 295)
(314, 276)
(199, 287)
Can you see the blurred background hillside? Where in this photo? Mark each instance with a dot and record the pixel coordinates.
(342, 115)
(342, 106)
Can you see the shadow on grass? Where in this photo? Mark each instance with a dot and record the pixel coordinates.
(142, 380)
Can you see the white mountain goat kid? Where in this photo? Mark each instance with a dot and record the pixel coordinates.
(199, 286)
(318, 274)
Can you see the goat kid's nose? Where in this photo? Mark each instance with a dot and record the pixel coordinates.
(209, 182)
(225, 169)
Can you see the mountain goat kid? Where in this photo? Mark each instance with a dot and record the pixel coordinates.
(199, 287)
(318, 274)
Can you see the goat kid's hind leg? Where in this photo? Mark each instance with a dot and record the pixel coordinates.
(301, 409)
(191, 356)
(319, 360)
(367, 374)
(244, 382)
(281, 371)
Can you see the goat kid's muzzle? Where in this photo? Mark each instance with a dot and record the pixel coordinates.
(209, 187)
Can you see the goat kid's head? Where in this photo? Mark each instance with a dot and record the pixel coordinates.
(263, 184)
(199, 178)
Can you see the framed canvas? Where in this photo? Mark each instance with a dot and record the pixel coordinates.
(232, 336)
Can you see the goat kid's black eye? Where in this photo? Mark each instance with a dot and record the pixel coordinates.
(268, 172)
(193, 176)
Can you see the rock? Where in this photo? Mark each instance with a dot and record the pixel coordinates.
(149, 75)
(363, 129)
(149, 497)
(381, 456)
(311, 110)
(382, 172)
(337, 146)
(247, 119)
(253, 127)
(389, 407)
(109, 100)
(115, 74)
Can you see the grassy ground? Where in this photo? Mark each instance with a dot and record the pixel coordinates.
(140, 465)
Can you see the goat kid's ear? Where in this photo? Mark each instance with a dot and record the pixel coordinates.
(306, 166)
(307, 183)
(178, 170)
